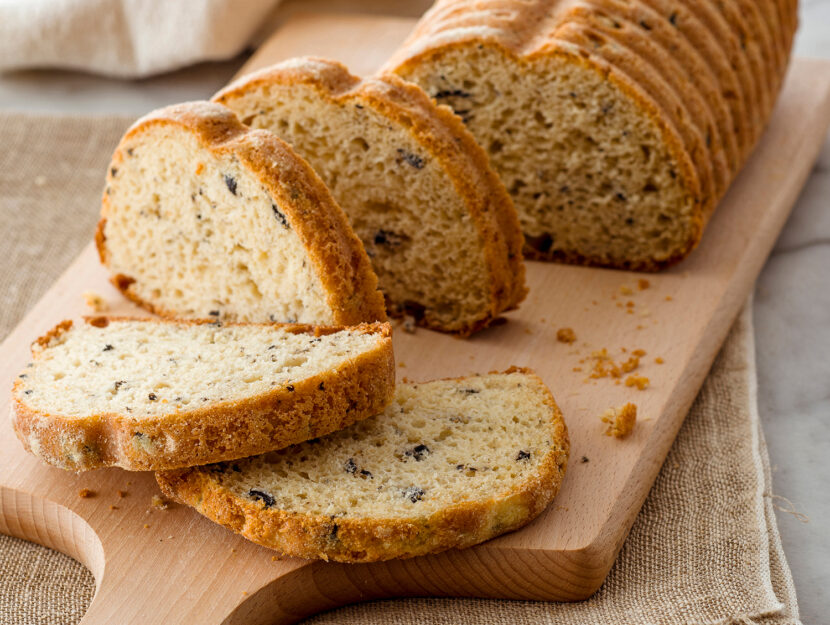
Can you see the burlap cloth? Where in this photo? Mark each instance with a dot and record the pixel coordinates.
(705, 548)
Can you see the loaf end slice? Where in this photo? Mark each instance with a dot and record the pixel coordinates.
(157, 394)
(438, 224)
(204, 218)
(449, 463)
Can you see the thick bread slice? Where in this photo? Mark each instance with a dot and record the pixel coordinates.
(613, 138)
(147, 394)
(438, 224)
(204, 217)
(448, 464)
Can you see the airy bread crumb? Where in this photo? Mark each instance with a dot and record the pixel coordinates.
(620, 420)
(640, 381)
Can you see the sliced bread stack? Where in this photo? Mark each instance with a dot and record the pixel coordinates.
(224, 230)
(440, 229)
(616, 126)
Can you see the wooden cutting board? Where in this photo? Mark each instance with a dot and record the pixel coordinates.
(173, 566)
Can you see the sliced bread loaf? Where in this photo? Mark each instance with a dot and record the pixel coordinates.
(440, 229)
(448, 464)
(616, 126)
(203, 217)
(150, 394)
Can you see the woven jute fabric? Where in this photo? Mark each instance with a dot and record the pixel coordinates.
(704, 549)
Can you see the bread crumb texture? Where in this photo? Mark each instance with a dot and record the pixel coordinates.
(86, 493)
(146, 394)
(440, 229)
(253, 236)
(449, 463)
(159, 503)
(616, 126)
(620, 420)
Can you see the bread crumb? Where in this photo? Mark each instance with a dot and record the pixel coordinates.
(86, 493)
(409, 324)
(629, 304)
(669, 298)
(146, 525)
(95, 301)
(584, 459)
(121, 493)
(626, 290)
(402, 365)
(620, 420)
(659, 360)
(244, 592)
(113, 507)
(640, 381)
(565, 335)
(159, 503)
(643, 284)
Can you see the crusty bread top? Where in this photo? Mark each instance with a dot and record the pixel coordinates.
(442, 134)
(336, 253)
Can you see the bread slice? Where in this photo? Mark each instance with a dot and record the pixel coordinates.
(440, 229)
(203, 217)
(147, 394)
(448, 464)
(616, 126)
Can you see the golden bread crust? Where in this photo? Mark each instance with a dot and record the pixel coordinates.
(445, 138)
(338, 256)
(374, 539)
(228, 430)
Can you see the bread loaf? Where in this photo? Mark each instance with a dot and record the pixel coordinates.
(151, 394)
(448, 464)
(616, 126)
(205, 218)
(440, 229)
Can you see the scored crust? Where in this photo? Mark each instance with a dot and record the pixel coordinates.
(443, 135)
(226, 430)
(337, 255)
(374, 539)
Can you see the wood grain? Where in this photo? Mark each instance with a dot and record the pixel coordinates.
(173, 566)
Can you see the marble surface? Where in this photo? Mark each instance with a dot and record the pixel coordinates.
(792, 299)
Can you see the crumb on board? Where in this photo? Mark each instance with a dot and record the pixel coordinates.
(565, 335)
(146, 526)
(584, 459)
(669, 298)
(159, 502)
(113, 507)
(626, 290)
(639, 381)
(402, 365)
(121, 493)
(603, 366)
(643, 284)
(659, 360)
(528, 331)
(86, 493)
(620, 420)
(409, 324)
(94, 301)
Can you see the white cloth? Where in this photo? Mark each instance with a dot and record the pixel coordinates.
(125, 38)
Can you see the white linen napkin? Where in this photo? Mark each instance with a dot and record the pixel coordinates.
(125, 38)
